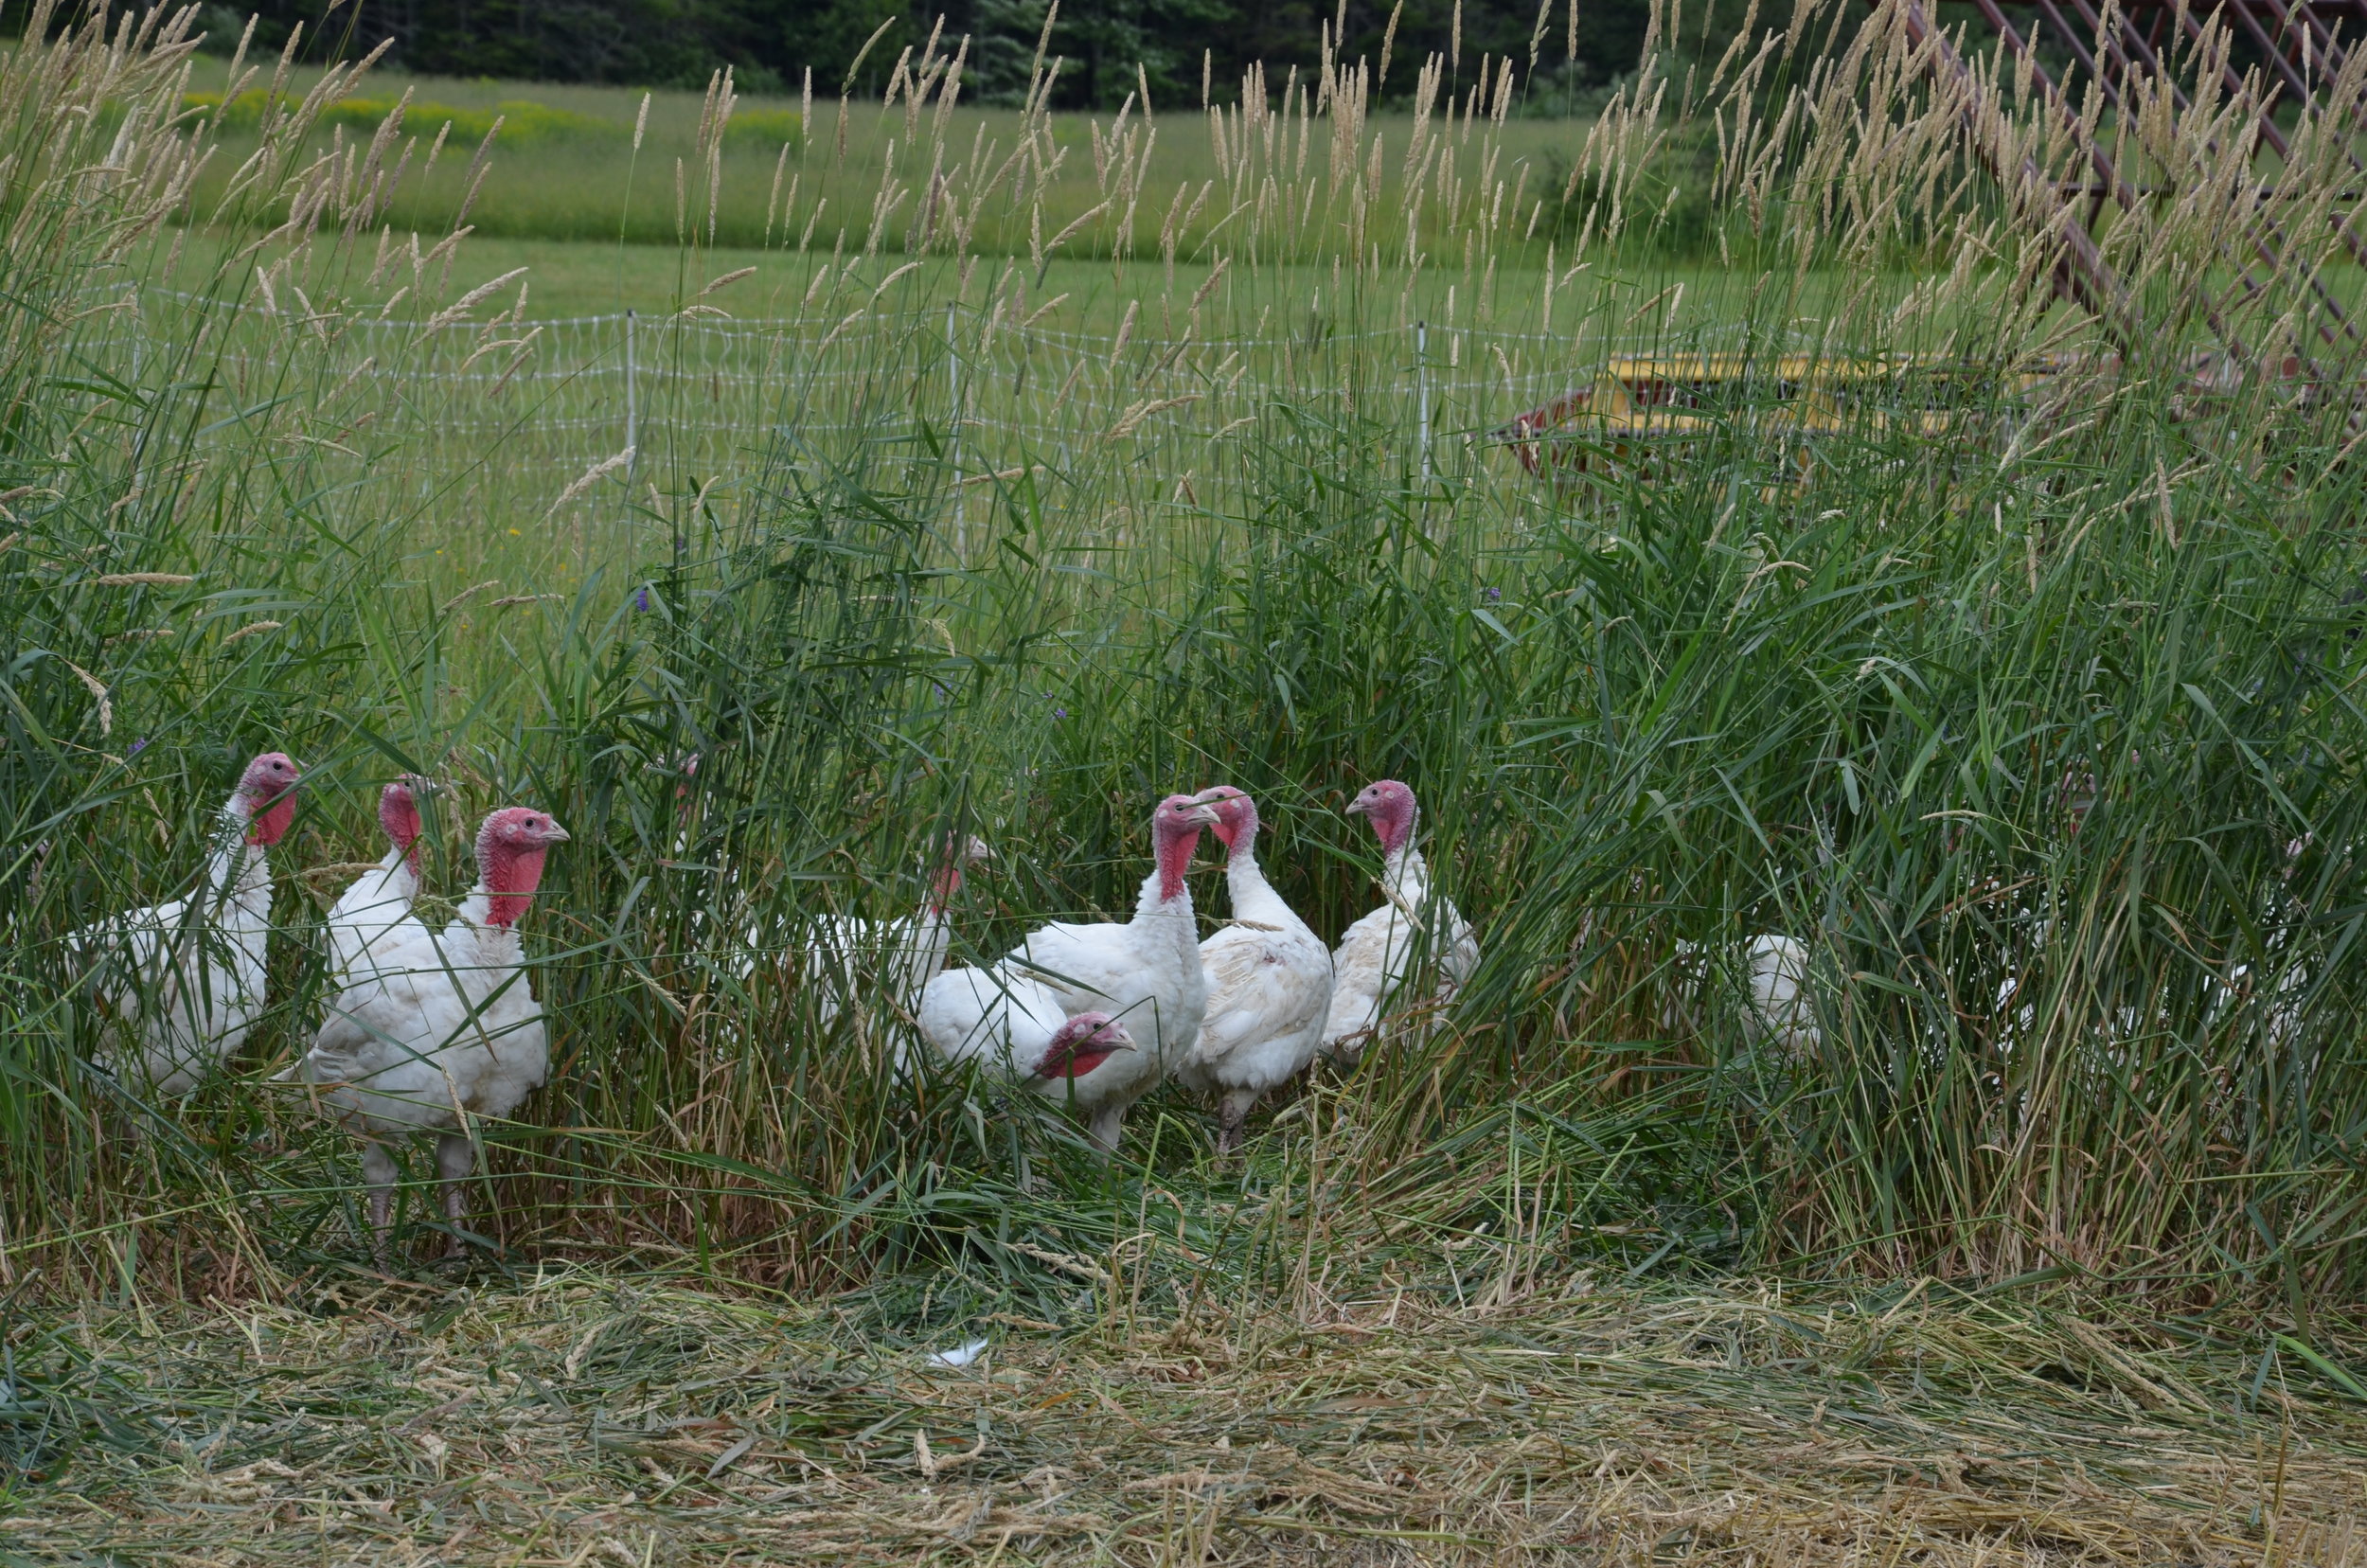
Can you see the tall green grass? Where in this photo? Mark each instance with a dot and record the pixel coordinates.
(2062, 693)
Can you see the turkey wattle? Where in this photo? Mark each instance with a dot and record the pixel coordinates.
(1374, 963)
(1270, 982)
(1146, 972)
(445, 1029)
(185, 980)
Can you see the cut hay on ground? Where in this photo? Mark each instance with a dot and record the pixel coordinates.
(582, 1422)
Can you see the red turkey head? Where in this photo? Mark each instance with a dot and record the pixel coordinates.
(1390, 807)
(1236, 816)
(267, 798)
(1083, 1043)
(399, 814)
(960, 856)
(1175, 829)
(509, 851)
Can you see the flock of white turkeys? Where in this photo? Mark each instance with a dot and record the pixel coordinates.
(429, 1031)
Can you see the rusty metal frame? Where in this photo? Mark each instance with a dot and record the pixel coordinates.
(2116, 46)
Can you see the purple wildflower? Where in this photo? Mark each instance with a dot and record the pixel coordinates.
(1494, 594)
(138, 746)
(641, 599)
(1060, 713)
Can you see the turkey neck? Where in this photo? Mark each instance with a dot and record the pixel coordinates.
(494, 941)
(240, 878)
(1254, 898)
(1401, 864)
(1404, 868)
(507, 878)
(1166, 896)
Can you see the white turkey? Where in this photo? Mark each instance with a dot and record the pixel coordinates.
(1269, 983)
(1014, 1026)
(848, 957)
(1374, 978)
(376, 908)
(1775, 985)
(184, 981)
(1146, 972)
(445, 1031)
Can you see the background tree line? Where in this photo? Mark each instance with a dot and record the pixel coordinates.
(772, 43)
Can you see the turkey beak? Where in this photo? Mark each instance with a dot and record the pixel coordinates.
(1357, 807)
(1202, 816)
(555, 834)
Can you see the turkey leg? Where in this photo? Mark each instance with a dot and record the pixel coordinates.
(378, 1169)
(1233, 1119)
(456, 1162)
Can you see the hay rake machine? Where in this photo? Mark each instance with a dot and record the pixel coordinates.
(2253, 73)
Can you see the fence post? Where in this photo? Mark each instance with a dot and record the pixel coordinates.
(1421, 382)
(632, 442)
(954, 442)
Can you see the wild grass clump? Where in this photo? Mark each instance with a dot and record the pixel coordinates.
(2024, 709)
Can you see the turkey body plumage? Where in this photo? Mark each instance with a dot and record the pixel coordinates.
(437, 1031)
(1014, 1028)
(184, 981)
(374, 911)
(1269, 984)
(1146, 972)
(1775, 981)
(848, 957)
(1373, 964)
(438, 1027)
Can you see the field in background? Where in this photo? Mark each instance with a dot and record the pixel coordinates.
(571, 169)
(2039, 728)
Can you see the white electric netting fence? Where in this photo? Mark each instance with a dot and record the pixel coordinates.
(712, 394)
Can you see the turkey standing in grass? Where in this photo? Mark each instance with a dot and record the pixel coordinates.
(376, 908)
(1146, 972)
(1269, 983)
(446, 1030)
(1014, 1025)
(1372, 963)
(1777, 981)
(184, 979)
(847, 951)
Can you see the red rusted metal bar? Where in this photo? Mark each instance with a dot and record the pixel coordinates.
(2081, 275)
(2269, 250)
(2097, 158)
